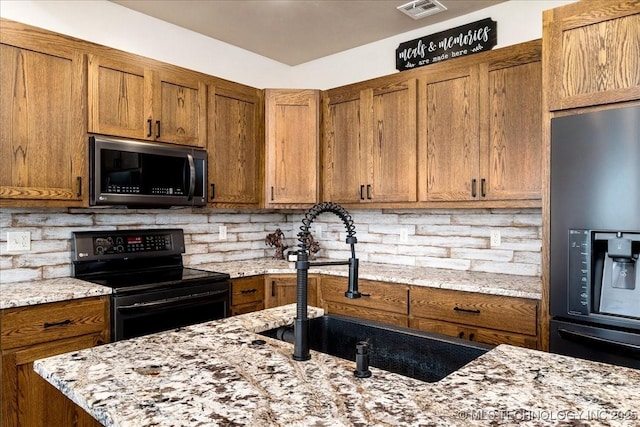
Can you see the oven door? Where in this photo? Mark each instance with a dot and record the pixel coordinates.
(134, 315)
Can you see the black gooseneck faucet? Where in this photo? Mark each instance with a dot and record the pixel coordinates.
(301, 323)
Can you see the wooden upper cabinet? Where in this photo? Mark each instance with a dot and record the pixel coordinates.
(43, 131)
(130, 100)
(481, 126)
(370, 143)
(117, 99)
(591, 52)
(391, 166)
(343, 151)
(511, 161)
(450, 123)
(235, 145)
(292, 146)
(182, 109)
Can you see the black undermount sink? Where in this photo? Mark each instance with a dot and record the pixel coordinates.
(421, 355)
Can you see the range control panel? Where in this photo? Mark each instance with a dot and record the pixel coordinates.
(128, 244)
(92, 245)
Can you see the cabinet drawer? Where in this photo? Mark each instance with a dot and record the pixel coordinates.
(247, 289)
(376, 295)
(48, 322)
(486, 336)
(247, 308)
(470, 308)
(367, 313)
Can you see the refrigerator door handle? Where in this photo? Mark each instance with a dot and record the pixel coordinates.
(582, 337)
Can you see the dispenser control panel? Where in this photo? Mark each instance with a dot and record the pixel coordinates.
(579, 271)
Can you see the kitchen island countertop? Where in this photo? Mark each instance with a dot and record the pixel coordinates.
(222, 373)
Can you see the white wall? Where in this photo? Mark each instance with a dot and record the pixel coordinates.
(109, 24)
(112, 25)
(518, 21)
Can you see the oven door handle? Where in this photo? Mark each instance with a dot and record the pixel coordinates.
(582, 337)
(190, 300)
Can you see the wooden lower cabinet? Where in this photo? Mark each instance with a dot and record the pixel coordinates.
(382, 302)
(281, 290)
(36, 332)
(247, 294)
(490, 319)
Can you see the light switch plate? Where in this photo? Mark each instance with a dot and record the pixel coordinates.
(18, 241)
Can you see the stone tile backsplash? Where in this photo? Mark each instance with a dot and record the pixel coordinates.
(457, 239)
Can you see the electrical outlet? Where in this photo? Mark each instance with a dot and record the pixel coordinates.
(404, 235)
(222, 232)
(496, 239)
(18, 241)
(317, 234)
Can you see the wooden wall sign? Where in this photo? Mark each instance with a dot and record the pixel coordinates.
(453, 43)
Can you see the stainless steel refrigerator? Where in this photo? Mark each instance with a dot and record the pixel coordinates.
(595, 236)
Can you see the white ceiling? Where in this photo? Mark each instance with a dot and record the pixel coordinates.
(297, 31)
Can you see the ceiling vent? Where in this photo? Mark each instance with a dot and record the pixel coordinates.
(420, 8)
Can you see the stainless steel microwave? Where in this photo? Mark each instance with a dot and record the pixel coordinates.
(146, 174)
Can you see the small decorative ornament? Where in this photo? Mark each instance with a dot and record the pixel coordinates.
(313, 246)
(276, 239)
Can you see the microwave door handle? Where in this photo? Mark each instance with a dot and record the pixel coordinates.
(192, 177)
(578, 336)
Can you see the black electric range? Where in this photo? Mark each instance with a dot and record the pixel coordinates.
(151, 289)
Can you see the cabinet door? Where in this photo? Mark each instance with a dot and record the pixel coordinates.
(117, 99)
(512, 160)
(43, 143)
(591, 53)
(132, 101)
(382, 302)
(28, 399)
(451, 120)
(234, 145)
(283, 290)
(343, 155)
(181, 116)
(246, 290)
(392, 156)
(486, 336)
(292, 126)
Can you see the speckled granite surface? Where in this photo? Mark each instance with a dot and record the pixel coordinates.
(215, 374)
(50, 290)
(489, 283)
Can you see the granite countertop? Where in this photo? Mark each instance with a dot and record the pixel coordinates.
(20, 294)
(51, 290)
(217, 374)
(487, 283)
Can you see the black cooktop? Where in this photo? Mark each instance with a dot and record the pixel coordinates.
(155, 279)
